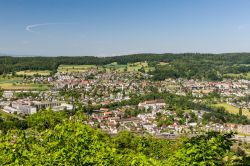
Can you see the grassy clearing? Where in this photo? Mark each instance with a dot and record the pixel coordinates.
(132, 67)
(10, 86)
(243, 64)
(75, 68)
(9, 80)
(239, 76)
(115, 66)
(163, 63)
(32, 72)
(232, 109)
(139, 65)
(14, 83)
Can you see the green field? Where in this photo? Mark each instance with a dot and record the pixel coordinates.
(9, 80)
(13, 83)
(239, 76)
(113, 66)
(163, 63)
(242, 64)
(131, 67)
(75, 68)
(31, 72)
(10, 86)
(232, 109)
(137, 66)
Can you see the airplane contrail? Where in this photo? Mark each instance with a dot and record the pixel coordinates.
(30, 27)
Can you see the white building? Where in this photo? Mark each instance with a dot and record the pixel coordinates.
(152, 104)
(8, 94)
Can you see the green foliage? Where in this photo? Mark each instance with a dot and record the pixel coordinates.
(134, 112)
(219, 115)
(240, 111)
(26, 94)
(77, 144)
(68, 143)
(46, 119)
(165, 120)
(71, 142)
(152, 147)
(209, 149)
(9, 123)
(1, 92)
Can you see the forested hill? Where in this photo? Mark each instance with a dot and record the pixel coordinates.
(195, 61)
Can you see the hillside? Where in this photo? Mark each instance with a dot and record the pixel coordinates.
(189, 65)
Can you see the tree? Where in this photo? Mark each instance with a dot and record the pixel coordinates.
(45, 119)
(1, 92)
(240, 111)
(67, 144)
(208, 149)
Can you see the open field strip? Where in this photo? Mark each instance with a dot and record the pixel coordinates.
(9, 83)
(9, 86)
(163, 63)
(131, 67)
(232, 109)
(245, 76)
(33, 72)
(6, 80)
(75, 68)
(113, 66)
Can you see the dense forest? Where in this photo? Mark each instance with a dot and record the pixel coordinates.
(187, 65)
(52, 138)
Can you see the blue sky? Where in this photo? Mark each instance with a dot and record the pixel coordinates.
(117, 27)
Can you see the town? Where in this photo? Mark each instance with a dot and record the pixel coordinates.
(124, 83)
(101, 89)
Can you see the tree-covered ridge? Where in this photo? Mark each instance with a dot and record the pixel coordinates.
(69, 141)
(189, 65)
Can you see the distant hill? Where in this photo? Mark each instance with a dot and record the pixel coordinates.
(188, 65)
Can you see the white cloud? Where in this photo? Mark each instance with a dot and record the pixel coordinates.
(30, 28)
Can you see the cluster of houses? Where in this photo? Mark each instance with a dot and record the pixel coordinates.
(231, 90)
(115, 121)
(104, 88)
(145, 123)
(38, 79)
(225, 88)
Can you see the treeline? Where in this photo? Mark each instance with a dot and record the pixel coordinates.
(189, 65)
(203, 67)
(238, 69)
